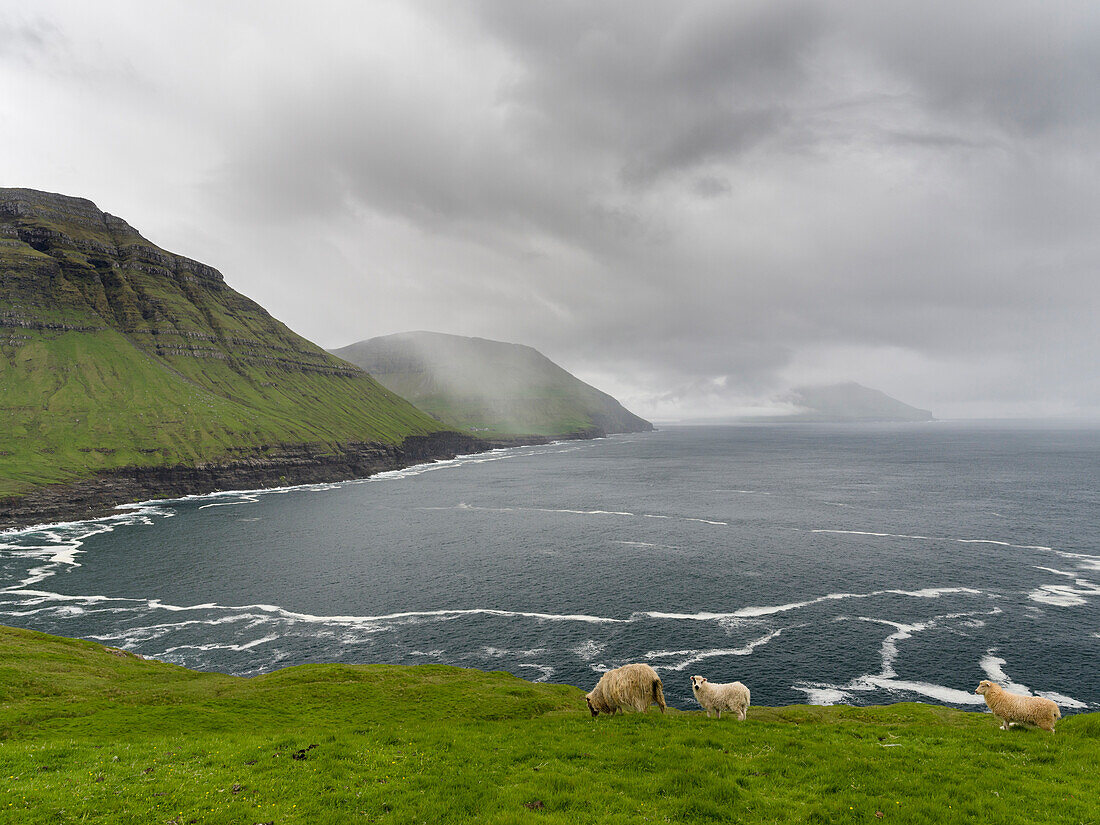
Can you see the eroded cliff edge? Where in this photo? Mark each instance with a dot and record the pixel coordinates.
(277, 466)
(128, 372)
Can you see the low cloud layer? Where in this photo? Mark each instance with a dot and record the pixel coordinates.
(695, 205)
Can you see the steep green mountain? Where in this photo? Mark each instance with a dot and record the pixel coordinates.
(117, 358)
(489, 386)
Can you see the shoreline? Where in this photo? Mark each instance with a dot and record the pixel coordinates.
(101, 495)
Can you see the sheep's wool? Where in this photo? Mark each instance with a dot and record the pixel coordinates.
(731, 696)
(1012, 707)
(635, 686)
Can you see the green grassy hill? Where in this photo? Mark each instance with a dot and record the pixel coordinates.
(87, 735)
(488, 386)
(115, 354)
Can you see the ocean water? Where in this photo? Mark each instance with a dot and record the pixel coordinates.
(814, 563)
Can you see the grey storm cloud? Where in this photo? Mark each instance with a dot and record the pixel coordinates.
(694, 204)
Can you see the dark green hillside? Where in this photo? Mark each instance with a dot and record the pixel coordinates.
(90, 735)
(489, 386)
(117, 354)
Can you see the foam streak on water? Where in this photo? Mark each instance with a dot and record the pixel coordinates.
(711, 551)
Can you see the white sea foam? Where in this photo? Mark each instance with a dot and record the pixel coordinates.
(577, 512)
(1069, 574)
(589, 649)
(1086, 558)
(936, 538)
(822, 694)
(500, 653)
(282, 613)
(266, 613)
(59, 544)
(691, 657)
(164, 628)
(244, 499)
(940, 693)
(1065, 595)
(993, 666)
(688, 518)
(545, 671)
(769, 610)
(60, 547)
(142, 511)
(1061, 699)
(223, 645)
(887, 677)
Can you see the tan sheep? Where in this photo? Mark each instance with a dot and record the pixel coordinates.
(636, 686)
(733, 696)
(1011, 708)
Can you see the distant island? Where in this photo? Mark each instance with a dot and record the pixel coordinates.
(842, 403)
(847, 402)
(490, 387)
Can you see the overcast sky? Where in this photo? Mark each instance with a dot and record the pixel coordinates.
(694, 205)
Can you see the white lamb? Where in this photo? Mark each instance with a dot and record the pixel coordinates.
(733, 696)
(1012, 708)
(631, 686)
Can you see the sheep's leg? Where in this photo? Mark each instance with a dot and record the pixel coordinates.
(719, 712)
(741, 714)
(708, 712)
(1005, 724)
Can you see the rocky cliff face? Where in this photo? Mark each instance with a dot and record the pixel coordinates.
(276, 466)
(67, 266)
(127, 371)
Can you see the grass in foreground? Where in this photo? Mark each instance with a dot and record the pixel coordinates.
(91, 736)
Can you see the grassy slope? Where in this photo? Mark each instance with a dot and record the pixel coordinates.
(93, 737)
(488, 386)
(78, 402)
(167, 365)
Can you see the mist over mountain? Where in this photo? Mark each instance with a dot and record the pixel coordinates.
(489, 386)
(135, 371)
